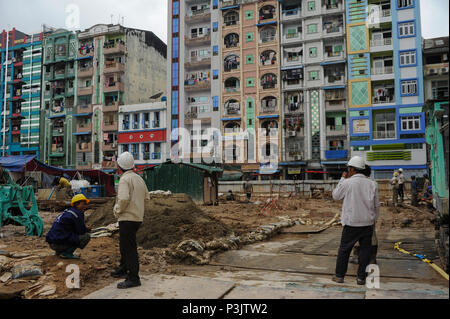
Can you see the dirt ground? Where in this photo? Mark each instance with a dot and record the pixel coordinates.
(102, 254)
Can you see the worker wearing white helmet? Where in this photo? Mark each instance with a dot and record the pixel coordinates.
(401, 184)
(360, 210)
(129, 211)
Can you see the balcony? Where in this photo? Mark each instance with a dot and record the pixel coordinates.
(114, 67)
(109, 165)
(387, 99)
(290, 14)
(192, 85)
(112, 107)
(292, 108)
(197, 40)
(85, 72)
(381, 135)
(84, 127)
(293, 85)
(82, 54)
(84, 165)
(70, 91)
(84, 147)
(57, 150)
(83, 109)
(113, 87)
(338, 130)
(110, 127)
(382, 73)
(332, 8)
(58, 131)
(292, 38)
(335, 105)
(379, 45)
(197, 16)
(118, 48)
(109, 147)
(334, 56)
(89, 90)
(333, 30)
(334, 80)
(59, 75)
(337, 154)
(295, 133)
(198, 62)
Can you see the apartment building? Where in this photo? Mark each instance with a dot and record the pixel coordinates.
(20, 92)
(435, 67)
(116, 66)
(386, 87)
(58, 123)
(142, 132)
(314, 88)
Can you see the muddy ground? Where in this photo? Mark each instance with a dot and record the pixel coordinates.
(102, 254)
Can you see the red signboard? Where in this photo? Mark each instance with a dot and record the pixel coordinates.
(142, 137)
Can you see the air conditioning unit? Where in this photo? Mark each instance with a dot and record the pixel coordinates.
(297, 157)
(432, 72)
(60, 130)
(292, 133)
(114, 145)
(444, 70)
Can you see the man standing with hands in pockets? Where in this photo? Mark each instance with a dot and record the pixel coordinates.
(360, 211)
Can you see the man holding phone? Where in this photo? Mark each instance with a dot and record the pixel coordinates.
(360, 210)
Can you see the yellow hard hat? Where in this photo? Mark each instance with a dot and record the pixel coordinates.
(78, 198)
(395, 174)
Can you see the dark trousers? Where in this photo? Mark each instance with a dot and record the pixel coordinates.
(69, 249)
(129, 261)
(401, 191)
(414, 199)
(351, 235)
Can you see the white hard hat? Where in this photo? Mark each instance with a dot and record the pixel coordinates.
(126, 161)
(400, 169)
(357, 162)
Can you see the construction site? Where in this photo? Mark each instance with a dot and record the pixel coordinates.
(280, 244)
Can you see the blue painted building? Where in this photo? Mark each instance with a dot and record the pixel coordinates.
(20, 88)
(386, 87)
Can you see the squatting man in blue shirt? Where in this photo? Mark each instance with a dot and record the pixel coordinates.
(360, 210)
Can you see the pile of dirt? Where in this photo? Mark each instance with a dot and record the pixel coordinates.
(168, 220)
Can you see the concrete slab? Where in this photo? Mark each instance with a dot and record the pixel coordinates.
(383, 294)
(167, 287)
(311, 264)
(250, 292)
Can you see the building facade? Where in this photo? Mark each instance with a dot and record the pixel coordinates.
(58, 123)
(386, 87)
(314, 88)
(142, 132)
(116, 66)
(21, 64)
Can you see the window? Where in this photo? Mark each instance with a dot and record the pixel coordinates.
(249, 37)
(174, 102)
(313, 75)
(411, 123)
(408, 58)
(406, 29)
(215, 103)
(203, 108)
(175, 10)
(146, 120)
(135, 121)
(409, 87)
(312, 52)
(405, 3)
(157, 119)
(312, 28)
(215, 50)
(215, 74)
(215, 4)
(175, 25)
(311, 5)
(249, 59)
(175, 74)
(439, 90)
(384, 125)
(250, 82)
(231, 18)
(215, 26)
(248, 15)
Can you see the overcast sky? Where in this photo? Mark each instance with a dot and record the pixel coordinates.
(150, 15)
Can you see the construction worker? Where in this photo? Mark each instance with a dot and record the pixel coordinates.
(69, 231)
(395, 187)
(62, 183)
(230, 195)
(129, 210)
(426, 184)
(5, 177)
(414, 191)
(374, 250)
(248, 189)
(401, 184)
(360, 210)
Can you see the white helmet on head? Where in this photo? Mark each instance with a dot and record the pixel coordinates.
(357, 162)
(126, 161)
(400, 170)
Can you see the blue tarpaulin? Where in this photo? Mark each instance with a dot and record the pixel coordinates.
(16, 163)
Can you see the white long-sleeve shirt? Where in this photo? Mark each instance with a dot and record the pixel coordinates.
(361, 204)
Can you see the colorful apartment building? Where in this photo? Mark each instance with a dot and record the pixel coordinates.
(386, 87)
(59, 100)
(314, 88)
(20, 92)
(116, 66)
(142, 132)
